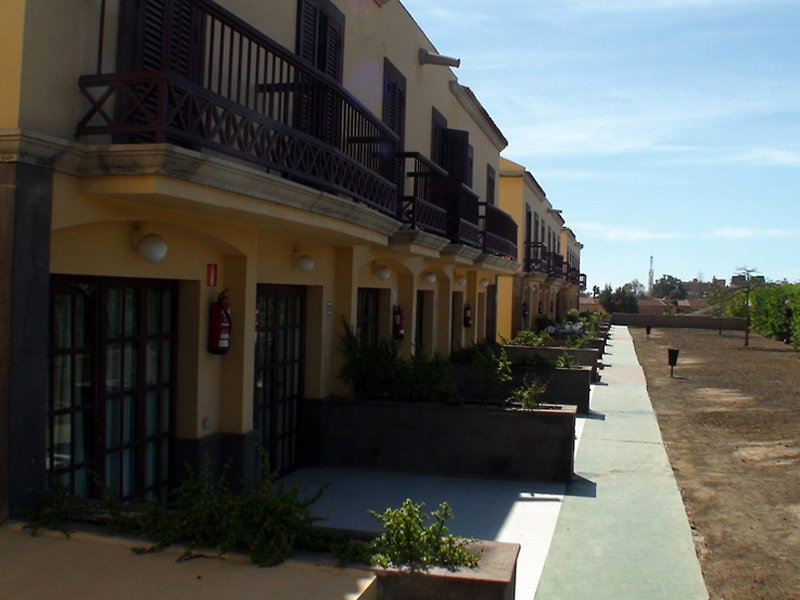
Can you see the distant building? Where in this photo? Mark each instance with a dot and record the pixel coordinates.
(587, 303)
(740, 281)
(655, 306)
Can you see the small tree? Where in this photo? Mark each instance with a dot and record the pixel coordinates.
(622, 299)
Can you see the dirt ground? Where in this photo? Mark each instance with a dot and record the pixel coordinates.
(730, 419)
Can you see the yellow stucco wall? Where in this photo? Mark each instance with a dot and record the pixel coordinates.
(11, 28)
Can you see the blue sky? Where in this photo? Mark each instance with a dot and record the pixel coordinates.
(668, 128)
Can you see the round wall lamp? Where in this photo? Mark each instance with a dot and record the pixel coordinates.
(152, 247)
(304, 263)
(382, 272)
(461, 280)
(429, 277)
(484, 283)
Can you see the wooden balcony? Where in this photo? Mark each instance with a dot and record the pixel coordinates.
(536, 258)
(556, 265)
(425, 208)
(499, 232)
(222, 85)
(462, 215)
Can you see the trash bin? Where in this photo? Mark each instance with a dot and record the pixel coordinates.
(672, 359)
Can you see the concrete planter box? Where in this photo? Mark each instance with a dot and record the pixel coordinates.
(463, 441)
(582, 357)
(493, 579)
(598, 342)
(564, 386)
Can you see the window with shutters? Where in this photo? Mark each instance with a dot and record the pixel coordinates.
(394, 113)
(176, 48)
(320, 42)
(528, 240)
(490, 184)
(394, 99)
(320, 35)
(439, 139)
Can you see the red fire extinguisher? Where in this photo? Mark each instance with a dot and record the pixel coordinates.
(467, 315)
(398, 324)
(219, 325)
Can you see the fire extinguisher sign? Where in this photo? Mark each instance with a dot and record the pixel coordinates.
(212, 273)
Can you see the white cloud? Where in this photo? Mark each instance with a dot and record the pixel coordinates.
(622, 233)
(745, 233)
(618, 233)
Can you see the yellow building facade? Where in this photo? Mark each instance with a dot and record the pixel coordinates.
(548, 280)
(315, 161)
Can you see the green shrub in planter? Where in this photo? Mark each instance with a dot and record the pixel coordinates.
(409, 540)
(528, 394)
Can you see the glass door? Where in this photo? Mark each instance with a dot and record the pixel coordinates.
(280, 349)
(112, 385)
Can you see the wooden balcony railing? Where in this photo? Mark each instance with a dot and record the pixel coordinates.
(556, 265)
(499, 232)
(228, 87)
(462, 215)
(536, 258)
(572, 274)
(424, 209)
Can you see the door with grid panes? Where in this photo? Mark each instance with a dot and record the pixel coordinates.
(278, 389)
(112, 347)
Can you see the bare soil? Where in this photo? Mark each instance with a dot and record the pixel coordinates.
(730, 418)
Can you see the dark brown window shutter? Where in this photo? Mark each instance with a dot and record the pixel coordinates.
(394, 98)
(178, 48)
(320, 35)
(307, 30)
(490, 184)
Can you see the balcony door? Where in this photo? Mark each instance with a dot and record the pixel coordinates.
(112, 374)
(278, 389)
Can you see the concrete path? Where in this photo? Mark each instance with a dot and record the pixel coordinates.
(618, 531)
(622, 531)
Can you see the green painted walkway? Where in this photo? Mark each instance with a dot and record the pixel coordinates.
(622, 531)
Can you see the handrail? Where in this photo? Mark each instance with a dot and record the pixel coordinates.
(499, 232)
(247, 96)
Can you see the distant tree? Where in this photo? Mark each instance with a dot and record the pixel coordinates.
(595, 291)
(668, 287)
(622, 299)
(636, 287)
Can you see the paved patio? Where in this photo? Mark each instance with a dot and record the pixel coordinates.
(618, 530)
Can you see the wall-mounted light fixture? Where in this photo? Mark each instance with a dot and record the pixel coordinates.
(484, 283)
(461, 280)
(426, 58)
(304, 263)
(149, 246)
(381, 272)
(429, 277)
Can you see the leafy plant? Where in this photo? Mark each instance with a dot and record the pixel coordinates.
(409, 539)
(530, 338)
(489, 370)
(565, 361)
(528, 394)
(267, 519)
(56, 507)
(369, 367)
